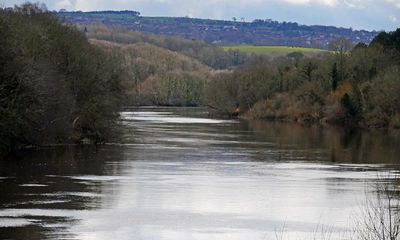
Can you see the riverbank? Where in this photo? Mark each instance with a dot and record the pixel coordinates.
(335, 114)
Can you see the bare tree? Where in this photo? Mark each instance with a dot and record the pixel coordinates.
(380, 218)
(341, 48)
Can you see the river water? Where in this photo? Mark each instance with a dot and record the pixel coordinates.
(177, 174)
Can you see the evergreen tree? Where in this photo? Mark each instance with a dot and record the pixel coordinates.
(335, 77)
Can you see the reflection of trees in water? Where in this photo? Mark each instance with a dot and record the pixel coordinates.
(338, 145)
(32, 232)
(50, 188)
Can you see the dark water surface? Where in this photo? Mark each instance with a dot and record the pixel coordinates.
(179, 175)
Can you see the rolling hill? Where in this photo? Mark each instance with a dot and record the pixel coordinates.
(221, 32)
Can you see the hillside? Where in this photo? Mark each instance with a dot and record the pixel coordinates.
(158, 76)
(208, 54)
(258, 32)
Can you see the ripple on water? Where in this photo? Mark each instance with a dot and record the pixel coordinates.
(14, 222)
(96, 178)
(73, 194)
(33, 185)
(186, 120)
(167, 117)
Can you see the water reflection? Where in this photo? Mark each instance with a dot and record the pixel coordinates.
(178, 175)
(38, 198)
(337, 145)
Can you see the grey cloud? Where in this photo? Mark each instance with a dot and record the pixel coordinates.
(359, 14)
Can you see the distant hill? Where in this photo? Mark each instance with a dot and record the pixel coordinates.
(259, 32)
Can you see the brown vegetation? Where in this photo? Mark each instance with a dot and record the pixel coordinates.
(157, 76)
(358, 87)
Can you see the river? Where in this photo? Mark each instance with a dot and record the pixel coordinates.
(177, 174)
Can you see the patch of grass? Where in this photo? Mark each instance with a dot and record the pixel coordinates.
(274, 50)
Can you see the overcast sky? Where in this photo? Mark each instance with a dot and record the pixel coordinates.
(358, 14)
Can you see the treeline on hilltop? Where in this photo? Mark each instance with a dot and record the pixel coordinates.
(55, 86)
(353, 86)
(236, 32)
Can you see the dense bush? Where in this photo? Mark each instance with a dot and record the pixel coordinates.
(55, 86)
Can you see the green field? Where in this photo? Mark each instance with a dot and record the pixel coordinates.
(274, 50)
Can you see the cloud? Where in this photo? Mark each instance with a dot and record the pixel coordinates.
(357, 4)
(359, 14)
(330, 3)
(66, 4)
(395, 2)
